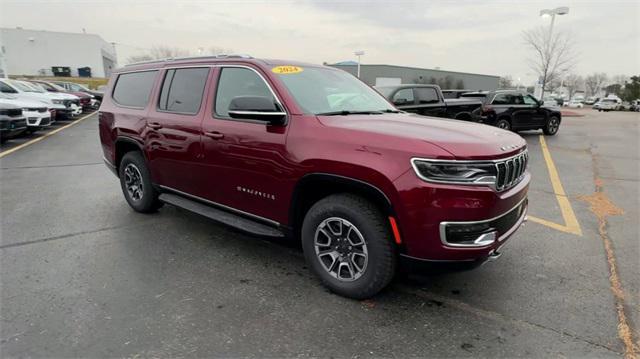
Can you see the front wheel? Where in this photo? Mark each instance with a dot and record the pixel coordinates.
(552, 126)
(348, 245)
(136, 184)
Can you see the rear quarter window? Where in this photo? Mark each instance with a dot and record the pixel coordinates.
(133, 89)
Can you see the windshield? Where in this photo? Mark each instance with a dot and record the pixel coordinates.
(36, 87)
(57, 87)
(22, 87)
(329, 91)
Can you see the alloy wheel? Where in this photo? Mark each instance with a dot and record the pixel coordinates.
(341, 249)
(553, 125)
(133, 182)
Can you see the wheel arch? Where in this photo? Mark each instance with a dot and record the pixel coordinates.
(122, 146)
(315, 186)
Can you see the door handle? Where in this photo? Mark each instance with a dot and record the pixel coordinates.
(214, 134)
(154, 125)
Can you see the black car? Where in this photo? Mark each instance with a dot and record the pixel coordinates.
(515, 110)
(12, 122)
(74, 87)
(428, 100)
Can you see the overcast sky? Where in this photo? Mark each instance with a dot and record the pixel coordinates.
(474, 36)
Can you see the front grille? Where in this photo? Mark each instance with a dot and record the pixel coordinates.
(511, 171)
(507, 221)
(12, 112)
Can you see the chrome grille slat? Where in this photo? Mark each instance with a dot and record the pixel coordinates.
(511, 171)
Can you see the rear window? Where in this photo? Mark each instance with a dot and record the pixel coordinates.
(133, 89)
(182, 90)
(427, 95)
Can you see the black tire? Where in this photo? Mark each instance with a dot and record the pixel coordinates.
(504, 124)
(552, 126)
(373, 230)
(142, 197)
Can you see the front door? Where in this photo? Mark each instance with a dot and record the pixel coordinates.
(246, 159)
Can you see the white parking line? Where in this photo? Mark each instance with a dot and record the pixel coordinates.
(10, 151)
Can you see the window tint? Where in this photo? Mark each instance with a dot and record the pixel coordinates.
(427, 95)
(404, 97)
(133, 89)
(182, 90)
(235, 82)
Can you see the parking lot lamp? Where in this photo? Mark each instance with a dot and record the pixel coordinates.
(562, 10)
(359, 53)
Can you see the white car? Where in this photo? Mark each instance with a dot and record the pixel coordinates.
(575, 104)
(22, 92)
(37, 113)
(607, 104)
(549, 102)
(72, 102)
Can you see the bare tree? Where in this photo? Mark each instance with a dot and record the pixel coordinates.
(594, 82)
(139, 58)
(159, 52)
(573, 84)
(216, 50)
(619, 79)
(553, 54)
(460, 84)
(505, 82)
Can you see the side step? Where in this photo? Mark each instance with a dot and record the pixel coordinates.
(218, 215)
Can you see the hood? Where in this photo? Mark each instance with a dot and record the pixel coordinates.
(464, 140)
(23, 103)
(61, 95)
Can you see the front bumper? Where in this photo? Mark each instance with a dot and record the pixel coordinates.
(426, 210)
(37, 119)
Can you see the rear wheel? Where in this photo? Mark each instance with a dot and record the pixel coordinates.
(552, 126)
(136, 183)
(504, 124)
(347, 243)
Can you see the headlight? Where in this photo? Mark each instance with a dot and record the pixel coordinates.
(57, 102)
(457, 172)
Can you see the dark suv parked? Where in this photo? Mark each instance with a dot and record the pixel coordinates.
(514, 110)
(278, 148)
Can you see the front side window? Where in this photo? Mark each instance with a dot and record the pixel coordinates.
(235, 82)
(321, 90)
(404, 97)
(182, 90)
(529, 100)
(133, 89)
(427, 95)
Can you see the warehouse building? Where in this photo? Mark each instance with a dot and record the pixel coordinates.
(37, 53)
(383, 75)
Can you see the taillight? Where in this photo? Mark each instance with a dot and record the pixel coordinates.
(486, 109)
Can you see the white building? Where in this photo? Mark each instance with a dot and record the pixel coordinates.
(35, 52)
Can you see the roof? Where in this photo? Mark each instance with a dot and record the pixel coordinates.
(153, 64)
(418, 68)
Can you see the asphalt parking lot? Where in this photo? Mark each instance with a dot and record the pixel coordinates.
(82, 275)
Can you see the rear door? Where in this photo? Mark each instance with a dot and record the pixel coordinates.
(173, 129)
(429, 102)
(538, 114)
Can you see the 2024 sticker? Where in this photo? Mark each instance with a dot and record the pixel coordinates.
(286, 70)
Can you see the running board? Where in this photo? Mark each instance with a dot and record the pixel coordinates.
(218, 215)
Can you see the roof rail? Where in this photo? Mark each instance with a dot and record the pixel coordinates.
(169, 59)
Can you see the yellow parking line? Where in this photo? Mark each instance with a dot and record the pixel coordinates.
(571, 224)
(10, 151)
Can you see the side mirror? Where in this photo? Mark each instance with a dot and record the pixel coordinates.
(256, 108)
(400, 101)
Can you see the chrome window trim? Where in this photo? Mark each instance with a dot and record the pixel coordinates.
(443, 226)
(219, 205)
(278, 101)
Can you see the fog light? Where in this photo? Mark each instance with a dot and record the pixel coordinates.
(469, 235)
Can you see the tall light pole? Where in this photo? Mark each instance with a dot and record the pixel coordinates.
(359, 53)
(562, 10)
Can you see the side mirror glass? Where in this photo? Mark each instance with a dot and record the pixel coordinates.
(259, 108)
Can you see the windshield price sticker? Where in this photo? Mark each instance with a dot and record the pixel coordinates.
(286, 69)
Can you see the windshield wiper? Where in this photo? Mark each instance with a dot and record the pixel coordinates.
(346, 112)
(390, 111)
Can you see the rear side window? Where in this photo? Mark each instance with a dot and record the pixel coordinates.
(133, 89)
(182, 90)
(235, 82)
(427, 95)
(504, 99)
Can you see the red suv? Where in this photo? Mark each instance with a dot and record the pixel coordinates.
(277, 148)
